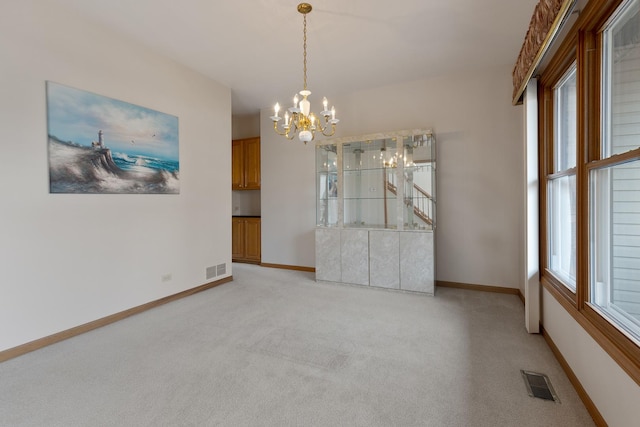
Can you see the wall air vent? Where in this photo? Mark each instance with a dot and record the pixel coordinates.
(222, 269)
(211, 272)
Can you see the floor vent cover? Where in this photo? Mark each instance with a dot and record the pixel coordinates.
(538, 385)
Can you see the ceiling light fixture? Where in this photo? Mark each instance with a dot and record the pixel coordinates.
(298, 119)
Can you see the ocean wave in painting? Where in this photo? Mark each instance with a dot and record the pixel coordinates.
(79, 169)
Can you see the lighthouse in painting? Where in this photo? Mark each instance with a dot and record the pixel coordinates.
(98, 144)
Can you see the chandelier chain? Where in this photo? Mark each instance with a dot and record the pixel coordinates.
(305, 51)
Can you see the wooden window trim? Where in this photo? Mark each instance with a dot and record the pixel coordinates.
(621, 349)
(615, 342)
(583, 44)
(554, 73)
(614, 160)
(561, 289)
(568, 172)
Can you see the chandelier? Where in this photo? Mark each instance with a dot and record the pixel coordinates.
(298, 119)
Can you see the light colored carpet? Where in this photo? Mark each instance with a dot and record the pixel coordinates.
(275, 348)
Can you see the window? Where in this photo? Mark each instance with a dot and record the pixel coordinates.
(565, 123)
(615, 245)
(562, 229)
(589, 114)
(615, 179)
(621, 81)
(562, 182)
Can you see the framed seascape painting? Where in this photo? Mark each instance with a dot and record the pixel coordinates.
(101, 145)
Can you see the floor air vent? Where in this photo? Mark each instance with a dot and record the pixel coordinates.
(538, 385)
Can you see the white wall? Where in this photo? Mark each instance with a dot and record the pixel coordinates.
(613, 392)
(480, 172)
(287, 198)
(246, 126)
(70, 259)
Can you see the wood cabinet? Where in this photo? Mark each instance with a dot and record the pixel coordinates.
(245, 239)
(245, 160)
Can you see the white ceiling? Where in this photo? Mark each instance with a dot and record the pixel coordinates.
(255, 46)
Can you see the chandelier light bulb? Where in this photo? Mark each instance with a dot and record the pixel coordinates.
(276, 108)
